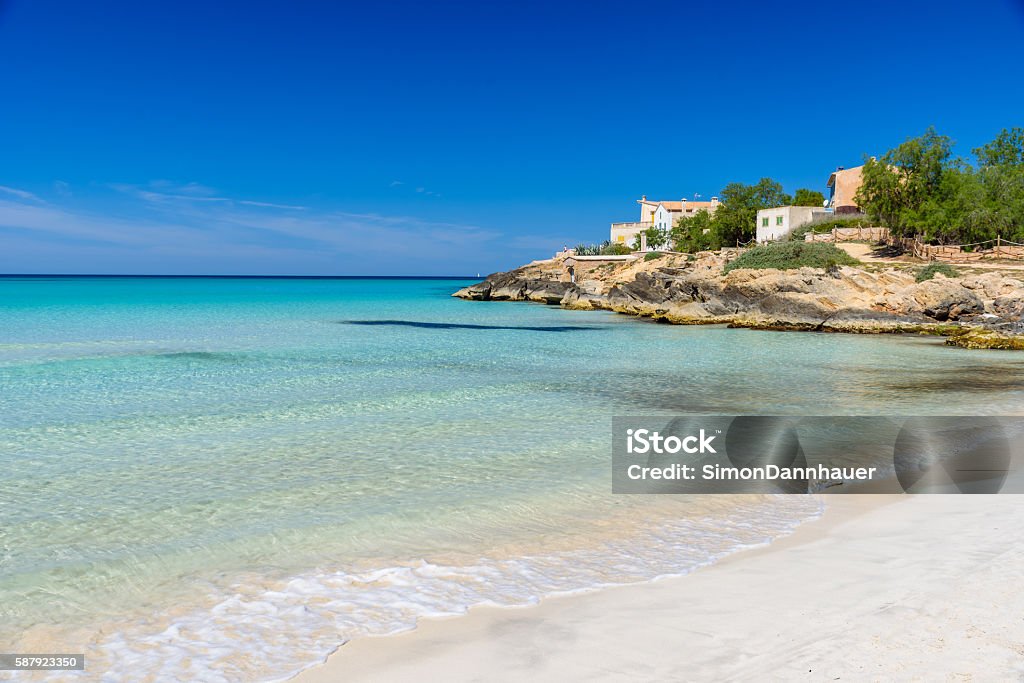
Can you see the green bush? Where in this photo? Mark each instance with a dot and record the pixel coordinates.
(606, 248)
(615, 249)
(789, 255)
(651, 255)
(929, 271)
(587, 249)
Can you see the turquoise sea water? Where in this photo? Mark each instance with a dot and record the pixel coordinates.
(225, 479)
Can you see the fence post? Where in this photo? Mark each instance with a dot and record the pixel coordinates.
(999, 244)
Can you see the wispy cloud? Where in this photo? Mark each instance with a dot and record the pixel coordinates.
(192, 189)
(419, 190)
(271, 205)
(102, 229)
(159, 191)
(21, 194)
(166, 225)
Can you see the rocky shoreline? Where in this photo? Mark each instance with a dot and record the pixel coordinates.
(975, 311)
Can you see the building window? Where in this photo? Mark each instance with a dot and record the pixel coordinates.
(764, 222)
(778, 220)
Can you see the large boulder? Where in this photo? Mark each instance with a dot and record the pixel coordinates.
(508, 286)
(944, 299)
(514, 287)
(545, 291)
(990, 286)
(481, 291)
(1009, 306)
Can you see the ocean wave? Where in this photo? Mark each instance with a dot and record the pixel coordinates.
(268, 630)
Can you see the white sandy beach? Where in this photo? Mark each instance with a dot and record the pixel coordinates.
(881, 588)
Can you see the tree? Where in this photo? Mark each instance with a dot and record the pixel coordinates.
(880, 194)
(805, 197)
(1007, 150)
(919, 189)
(997, 208)
(897, 189)
(693, 233)
(657, 238)
(736, 217)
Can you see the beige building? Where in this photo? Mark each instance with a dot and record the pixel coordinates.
(843, 186)
(659, 214)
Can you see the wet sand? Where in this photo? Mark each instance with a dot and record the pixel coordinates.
(880, 588)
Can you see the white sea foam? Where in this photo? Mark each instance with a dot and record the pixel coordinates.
(269, 630)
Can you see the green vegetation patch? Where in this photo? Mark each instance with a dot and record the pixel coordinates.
(615, 249)
(929, 271)
(790, 255)
(606, 248)
(651, 255)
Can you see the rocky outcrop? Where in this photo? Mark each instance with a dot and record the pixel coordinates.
(695, 291)
(944, 299)
(511, 287)
(983, 338)
(546, 291)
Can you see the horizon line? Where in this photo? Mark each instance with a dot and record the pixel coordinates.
(250, 277)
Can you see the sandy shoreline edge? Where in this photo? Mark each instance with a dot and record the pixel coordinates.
(879, 587)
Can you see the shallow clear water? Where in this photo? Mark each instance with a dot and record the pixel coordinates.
(226, 478)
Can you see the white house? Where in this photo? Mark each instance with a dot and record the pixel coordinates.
(667, 213)
(659, 214)
(776, 223)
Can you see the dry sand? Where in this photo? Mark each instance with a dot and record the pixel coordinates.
(881, 588)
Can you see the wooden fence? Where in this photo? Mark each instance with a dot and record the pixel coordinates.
(960, 253)
(947, 253)
(997, 249)
(857, 234)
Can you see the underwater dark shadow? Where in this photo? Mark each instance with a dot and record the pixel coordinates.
(962, 379)
(471, 326)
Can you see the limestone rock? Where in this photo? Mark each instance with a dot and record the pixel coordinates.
(946, 299)
(693, 290)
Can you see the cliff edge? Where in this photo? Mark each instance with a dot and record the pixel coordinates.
(975, 311)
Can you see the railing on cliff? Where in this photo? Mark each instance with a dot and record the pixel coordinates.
(857, 234)
(997, 249)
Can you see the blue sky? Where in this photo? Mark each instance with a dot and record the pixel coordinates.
(449, 138)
